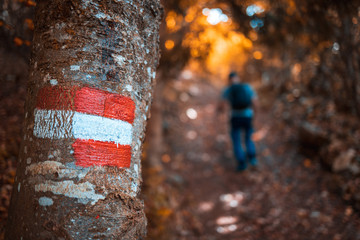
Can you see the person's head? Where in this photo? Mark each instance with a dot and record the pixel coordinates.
(233, 78)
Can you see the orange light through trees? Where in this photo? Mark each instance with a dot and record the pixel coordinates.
(170, 23)
(257, 55)
(216, 49)
(169, 44)
(212, 38)
(29, 23)
(189, 18)
(253, 35)
(236, 38)
(18, 41)
(247, 43)
(191, 14)
(173, 21)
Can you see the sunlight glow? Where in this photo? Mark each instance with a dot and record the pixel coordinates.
(232, 200)
(260, 134)
(194, 53)
(191, 113)
(215, 15)
(165, 158)
(170, 23)
(226, 229)
(257, 55)
(186, 74)
(169, 44)
(191, 14)
(191, 135)
(253, 9)
(217, 48)
(336, 47)
(236, 38)
(173, 21)
(296, 69)
(247, 43)
(189, 18)
(184, 97)
(194, 90)
(253, 35)
(256, 23)
(206, 206)
(225, 220)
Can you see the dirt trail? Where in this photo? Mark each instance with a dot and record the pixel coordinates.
(286, 197)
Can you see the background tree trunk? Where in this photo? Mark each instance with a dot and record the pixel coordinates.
(90, 87)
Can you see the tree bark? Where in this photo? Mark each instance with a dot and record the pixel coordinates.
(155, 129)
(89, 91)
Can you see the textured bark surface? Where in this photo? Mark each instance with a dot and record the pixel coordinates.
(111, 48)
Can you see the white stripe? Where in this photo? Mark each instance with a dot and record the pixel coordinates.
(53, 124)
(101, 129)
(57, 124)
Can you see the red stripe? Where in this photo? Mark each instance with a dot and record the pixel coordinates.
(89, 153)
(90, 101)
(119, 107)
(87, 100)
(57, 98)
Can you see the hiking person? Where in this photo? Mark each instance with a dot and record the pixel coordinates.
(242, 100)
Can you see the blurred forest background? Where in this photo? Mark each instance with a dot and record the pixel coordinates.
(303, 59)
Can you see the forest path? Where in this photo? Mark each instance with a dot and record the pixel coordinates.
(286, 197)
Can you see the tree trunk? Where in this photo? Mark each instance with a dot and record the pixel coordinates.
(90, 87)
(155, 130)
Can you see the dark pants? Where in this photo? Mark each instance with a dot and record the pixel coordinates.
(241, 125)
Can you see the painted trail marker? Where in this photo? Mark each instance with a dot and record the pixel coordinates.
(101, 123)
